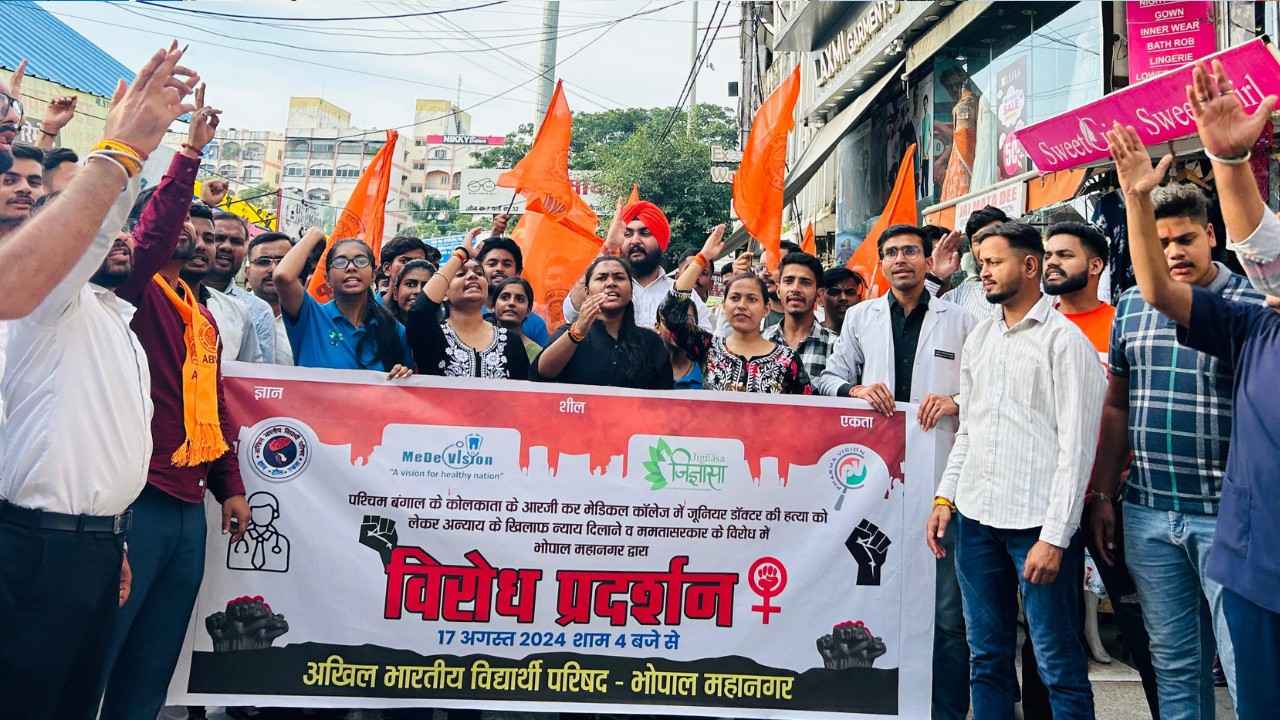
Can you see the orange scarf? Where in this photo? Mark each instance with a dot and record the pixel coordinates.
(204, 442)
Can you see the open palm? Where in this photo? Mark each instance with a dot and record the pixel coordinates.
(1133, 164)
(1225, 129)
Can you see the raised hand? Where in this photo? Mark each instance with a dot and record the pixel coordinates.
(58, 113)
(380, 534)
(1133, 164)
(15, 80)
(469, 241)
(613, 239)
(946, 255)
(869, 546)
(1225, 129)
(588, 313)
(742, 264)
(140, 113)
(204, 123)
(714, 246)
(499, 226)
(212, 192)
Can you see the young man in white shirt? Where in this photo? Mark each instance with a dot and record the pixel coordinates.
(1030, 404)
(265, 252)
(905, 347)
(231, 235)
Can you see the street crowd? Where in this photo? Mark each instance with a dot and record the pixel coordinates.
(1141, 431)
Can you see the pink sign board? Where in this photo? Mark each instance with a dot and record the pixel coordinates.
(1167, 34)
(1157, 109)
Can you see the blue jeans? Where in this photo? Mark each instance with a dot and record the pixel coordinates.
(1255, 632)
(166, 553)
(950, 648)
(1166, 553)
(989, 562)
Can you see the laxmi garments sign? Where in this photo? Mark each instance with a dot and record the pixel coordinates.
(850, 41)
(481, 194)
(582, 550)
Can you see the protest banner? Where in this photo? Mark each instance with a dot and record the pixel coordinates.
(557, 548)
(1157, 108)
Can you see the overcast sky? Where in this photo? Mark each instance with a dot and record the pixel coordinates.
(251, 71)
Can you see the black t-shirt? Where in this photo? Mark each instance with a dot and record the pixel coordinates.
(637, 359)
(437, 350)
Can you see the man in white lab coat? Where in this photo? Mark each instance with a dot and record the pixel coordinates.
(905, 347)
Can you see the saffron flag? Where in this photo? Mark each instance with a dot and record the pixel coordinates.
(809, 244)
(758, 184)
(556, 253)
(363, 216)
(635, 195)
(542, 175)
(901, 208)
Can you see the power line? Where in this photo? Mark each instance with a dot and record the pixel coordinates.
(704, 51)
(235, 16)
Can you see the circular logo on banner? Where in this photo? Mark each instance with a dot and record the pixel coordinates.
(852, 466)
(279, 452)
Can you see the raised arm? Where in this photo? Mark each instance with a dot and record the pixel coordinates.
(288, 274)
(45, 248)
(56, 116)
(1228, 135)
(1137, 180)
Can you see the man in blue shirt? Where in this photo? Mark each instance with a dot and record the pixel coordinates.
(1246, 338)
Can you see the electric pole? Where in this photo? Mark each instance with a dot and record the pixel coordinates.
(547, 66)
(693, 62)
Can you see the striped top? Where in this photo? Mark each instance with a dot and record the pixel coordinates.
(1030, 406)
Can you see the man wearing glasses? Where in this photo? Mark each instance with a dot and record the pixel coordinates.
(905, 347)
(231, 238)
(265, 252)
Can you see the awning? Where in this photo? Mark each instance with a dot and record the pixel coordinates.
(826, 139)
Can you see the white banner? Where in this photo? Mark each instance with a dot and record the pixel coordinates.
(521, 546)
(482, 196)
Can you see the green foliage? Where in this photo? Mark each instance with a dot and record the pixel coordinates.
(426, 222)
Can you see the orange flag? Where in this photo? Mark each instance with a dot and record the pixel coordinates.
(542, 175)
(809, 244)
(363, 216)
(901, 208)
(635, 194)
(556, 253)
(758, 184)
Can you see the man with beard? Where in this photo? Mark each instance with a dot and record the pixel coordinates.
(800, 283)
(1171, 406)
(905, 347)
(235, 326)
(842, 288)
(641, 233)
(20, 188)
(265, 252)
(969, 293)
(501, 258)
(1030, 400)
(231, 235)
(190, 436)
(1075, 255)
(74, 449)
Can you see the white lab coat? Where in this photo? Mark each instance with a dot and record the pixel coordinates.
(863, 355)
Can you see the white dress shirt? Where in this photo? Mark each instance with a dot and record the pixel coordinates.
(262, 318)
(864, 354)
(1030, 408)
(78, 392)
(284, 351)
(4, 340)
(647, 300)
(235, 327)
(1260, 254)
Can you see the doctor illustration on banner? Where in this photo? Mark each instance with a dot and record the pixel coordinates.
(905, 347)
(262, 547)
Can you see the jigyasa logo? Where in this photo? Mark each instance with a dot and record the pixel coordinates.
(679, 468)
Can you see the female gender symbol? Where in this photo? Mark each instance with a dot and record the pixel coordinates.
(767, 578)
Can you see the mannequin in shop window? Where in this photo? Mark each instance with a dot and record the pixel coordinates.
(964, 139)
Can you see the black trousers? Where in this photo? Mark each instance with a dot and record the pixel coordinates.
(59, 594)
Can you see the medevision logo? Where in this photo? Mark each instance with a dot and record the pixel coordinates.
(459, 455)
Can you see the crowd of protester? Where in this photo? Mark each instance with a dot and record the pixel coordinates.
(1136, 435)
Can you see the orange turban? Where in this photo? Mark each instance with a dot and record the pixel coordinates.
(653, 218)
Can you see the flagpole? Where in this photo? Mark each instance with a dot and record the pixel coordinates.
(512, 204)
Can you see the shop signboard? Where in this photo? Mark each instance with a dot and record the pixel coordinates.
(1011, 114)
(1165, 35)
(466, 140)
(1012, 199)
(1157, 108)
(481, 194)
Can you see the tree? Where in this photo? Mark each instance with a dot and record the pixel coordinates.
(261, 196)
(437, 217)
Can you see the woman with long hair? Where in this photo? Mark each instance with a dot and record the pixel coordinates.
(464, 344)
(408, 286)
(352, 331)
(744, 361)
(512, 301)
(604, 346)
